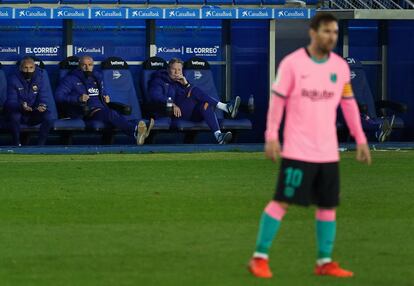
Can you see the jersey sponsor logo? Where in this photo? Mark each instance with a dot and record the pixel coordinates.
(317, 95)
(93, 91)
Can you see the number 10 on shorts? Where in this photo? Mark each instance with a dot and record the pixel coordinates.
(293, 180)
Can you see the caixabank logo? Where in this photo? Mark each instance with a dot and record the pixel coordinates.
(117, 13)
(170, 50)
(70, 13)
(43, 51)
(216, 13)
(255, 13)
(87, 50)
(182, 13)
(33, 13)
(10, 50)
(6, 13)
(146, 13)
(292, 13)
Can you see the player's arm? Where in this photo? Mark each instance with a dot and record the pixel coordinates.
(352, 117)
(280, 90)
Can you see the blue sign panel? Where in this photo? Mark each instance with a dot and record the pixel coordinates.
(6, 13)
(33, 13)
(217, 13)
(146, 13)
(70, 13)
(292, 13)
(115, 13)
(255, 13)
(182, 13)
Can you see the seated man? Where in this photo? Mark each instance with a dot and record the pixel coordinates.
(189, 102)
(84, 86)
(26, 101)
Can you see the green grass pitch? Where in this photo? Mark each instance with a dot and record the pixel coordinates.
(191, 219)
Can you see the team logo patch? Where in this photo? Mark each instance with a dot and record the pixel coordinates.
(35, 88)
(334, 77)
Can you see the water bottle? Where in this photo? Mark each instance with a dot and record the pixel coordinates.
(250, 105)
(169, 106)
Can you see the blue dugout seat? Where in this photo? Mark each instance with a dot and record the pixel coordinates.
(376, 110)
(68, 124)
(150, 66)
(67, 65)
(120, 87)
(198, 73)
(3, 96)
(3, 87)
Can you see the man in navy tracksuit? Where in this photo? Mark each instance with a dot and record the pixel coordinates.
(189, 102)
(27, 101)
(85, 86)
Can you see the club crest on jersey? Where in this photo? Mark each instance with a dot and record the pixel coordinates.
(334, 77)
(35, 88)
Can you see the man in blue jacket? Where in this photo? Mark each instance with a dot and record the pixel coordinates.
(27, 101)
(189, 102)
(84, 86)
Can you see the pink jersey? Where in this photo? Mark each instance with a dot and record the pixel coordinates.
(312, 93)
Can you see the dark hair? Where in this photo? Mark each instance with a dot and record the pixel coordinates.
(175, 61)
(321, 18)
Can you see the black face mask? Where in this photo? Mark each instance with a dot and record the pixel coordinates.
(27, 75)
(87, 73)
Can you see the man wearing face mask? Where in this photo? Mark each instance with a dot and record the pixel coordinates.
(26, 101)
(189, 102)
(84, 86)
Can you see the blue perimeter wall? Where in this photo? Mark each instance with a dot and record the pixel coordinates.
(187, 38)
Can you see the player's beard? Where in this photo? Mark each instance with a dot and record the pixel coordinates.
(327, 48)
